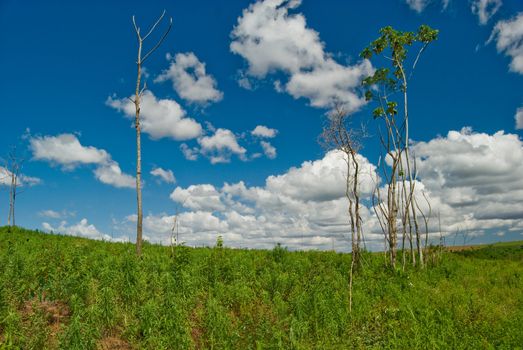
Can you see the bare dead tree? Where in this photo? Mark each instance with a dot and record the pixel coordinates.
(137, 97)
(174, 233)
(13, 168)
(340, 135)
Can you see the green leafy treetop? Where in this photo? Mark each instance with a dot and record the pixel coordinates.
(398, 43)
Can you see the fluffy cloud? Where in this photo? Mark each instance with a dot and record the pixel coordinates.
(67, 151)
(519, 118)
(22, 180)
(196, 228)
(472, 180)
(190, 79)
(164, 175)
(321, 180)
(110, 173)
(329, 84)
(190, 153)
(268, 149)
(81, 229)
(263, 131)
(485, 9)
(290, 208)
(418, 5)
(219, 146)
(272, 40)
(508, 35)
(160, 118)
(198, 197)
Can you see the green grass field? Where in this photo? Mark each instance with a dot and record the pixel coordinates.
(72, 293)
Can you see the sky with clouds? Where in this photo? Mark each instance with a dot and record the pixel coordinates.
(236, 99)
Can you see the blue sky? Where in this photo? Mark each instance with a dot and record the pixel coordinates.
(63, 60)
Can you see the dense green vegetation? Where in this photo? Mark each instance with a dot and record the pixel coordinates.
(72, 293)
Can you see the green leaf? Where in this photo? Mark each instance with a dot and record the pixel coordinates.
(378, 112)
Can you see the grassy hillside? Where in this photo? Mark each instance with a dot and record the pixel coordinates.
(72, 293)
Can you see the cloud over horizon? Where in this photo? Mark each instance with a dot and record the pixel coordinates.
(473, 181)
(65, 150)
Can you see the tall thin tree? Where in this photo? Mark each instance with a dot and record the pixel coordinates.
(137, 97)
(338, 134)
(393, 45)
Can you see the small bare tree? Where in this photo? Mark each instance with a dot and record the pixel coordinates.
(13, 168)
(339, 135)
(137, 96)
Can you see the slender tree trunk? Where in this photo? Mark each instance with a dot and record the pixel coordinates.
(12, 198)
(351, 278)
(359, 232)
(412, 179)
(138, 154)
(393, 214)
(137, 95)
(10, 202)
(14, 202)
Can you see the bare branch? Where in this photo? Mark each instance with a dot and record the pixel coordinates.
(137, 30)
(154, 25)
(143, 88)
(417, 59)
(159, 42)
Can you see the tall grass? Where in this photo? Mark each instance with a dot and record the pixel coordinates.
(220, 298)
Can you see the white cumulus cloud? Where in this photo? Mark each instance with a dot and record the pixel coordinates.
(271, 40)
(203, 197)
(473, 181)
(519, 118)
(508, 35)
(268, 149)
(166, 176)
(160, 118)
(190, 79)
(67, 151)
(22, 180)
(80, 229)
(219, 146)
(420, 5)
(417, 5)
(110, 173)
(263, 131)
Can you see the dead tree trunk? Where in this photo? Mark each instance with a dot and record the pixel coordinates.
(13, 166)
(11, 221)
(137, 96)
(337, 135)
